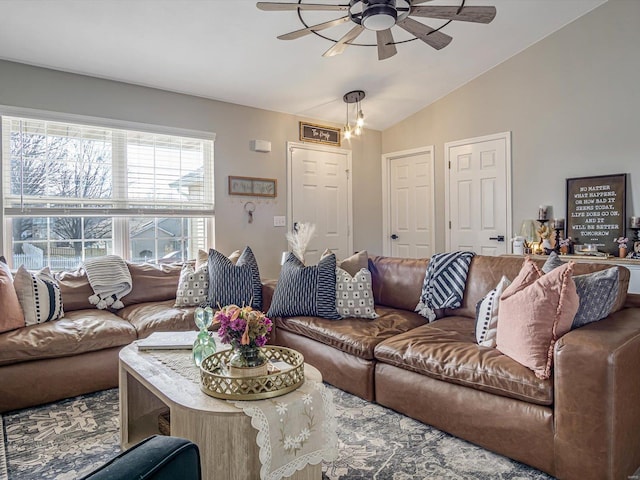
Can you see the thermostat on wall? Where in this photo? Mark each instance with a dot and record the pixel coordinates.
(260, 146)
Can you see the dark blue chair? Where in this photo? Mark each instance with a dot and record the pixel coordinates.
(156, 458)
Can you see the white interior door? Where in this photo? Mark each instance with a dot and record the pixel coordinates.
(479, 194)
(320, 193)
(409, 203)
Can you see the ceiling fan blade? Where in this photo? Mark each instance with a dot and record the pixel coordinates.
(342, 44)
(467, 14)
(428, 35)
(314, 28)
(386, 47)
(281, 6)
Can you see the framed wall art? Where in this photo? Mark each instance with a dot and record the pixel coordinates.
(253, 186)
(596, 210)
(310, 132)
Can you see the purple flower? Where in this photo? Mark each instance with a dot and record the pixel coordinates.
(261, 341)
(239, 324)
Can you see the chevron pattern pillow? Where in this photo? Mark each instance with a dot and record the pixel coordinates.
(237, 284)
(306, 291)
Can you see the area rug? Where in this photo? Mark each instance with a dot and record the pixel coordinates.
(67, 439)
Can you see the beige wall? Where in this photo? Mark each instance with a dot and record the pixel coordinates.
(571, 102)
(235, 126)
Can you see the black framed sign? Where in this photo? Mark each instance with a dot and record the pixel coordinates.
(319, 134)
(596, 210)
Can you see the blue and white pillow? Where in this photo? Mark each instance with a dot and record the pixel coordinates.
(306, 291)
(237, 284)
(39, 295)
(487, 315)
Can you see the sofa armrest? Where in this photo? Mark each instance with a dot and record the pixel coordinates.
(597, 387)
(268, 287)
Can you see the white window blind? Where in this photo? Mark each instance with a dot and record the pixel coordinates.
(71, 191)
(68, 169)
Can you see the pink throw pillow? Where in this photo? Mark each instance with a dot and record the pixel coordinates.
(11, 316)
(536, 310)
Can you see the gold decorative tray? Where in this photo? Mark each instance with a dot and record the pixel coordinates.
(215, 380)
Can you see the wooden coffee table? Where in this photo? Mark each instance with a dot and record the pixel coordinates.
(223, 433)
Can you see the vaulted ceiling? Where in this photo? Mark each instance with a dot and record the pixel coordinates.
(227, 50)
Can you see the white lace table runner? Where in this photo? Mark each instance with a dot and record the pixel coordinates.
(294, 430)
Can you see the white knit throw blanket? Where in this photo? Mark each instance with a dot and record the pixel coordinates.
(110, 280)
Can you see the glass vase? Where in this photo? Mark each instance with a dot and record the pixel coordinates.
(247, 361)
(204, 345)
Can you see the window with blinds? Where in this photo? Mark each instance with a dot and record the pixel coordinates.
(75, 191)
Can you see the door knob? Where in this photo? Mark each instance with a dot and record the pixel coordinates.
(394, 236)
(499, 238)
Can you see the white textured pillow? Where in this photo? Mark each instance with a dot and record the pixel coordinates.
(354, 296)
(487, 315)
(193, 286)
(39, 295)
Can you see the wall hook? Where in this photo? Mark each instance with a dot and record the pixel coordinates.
(250, 207)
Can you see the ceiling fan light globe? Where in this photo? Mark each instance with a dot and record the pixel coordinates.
(379, 17)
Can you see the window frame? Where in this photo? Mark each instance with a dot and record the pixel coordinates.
(120, 228)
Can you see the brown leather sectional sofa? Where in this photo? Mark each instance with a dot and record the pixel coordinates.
(79, 353)
(582, 423)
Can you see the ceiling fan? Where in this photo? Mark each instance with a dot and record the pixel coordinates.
(380, 16)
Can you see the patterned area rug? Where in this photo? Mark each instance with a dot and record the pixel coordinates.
(65, 440)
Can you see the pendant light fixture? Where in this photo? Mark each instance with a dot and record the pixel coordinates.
(351, 98)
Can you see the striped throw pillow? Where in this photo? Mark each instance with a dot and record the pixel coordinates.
(237, 284)
(308, 291)
(39, 295)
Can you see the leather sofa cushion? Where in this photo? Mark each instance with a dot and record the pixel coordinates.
(485, 273)
(77, 332)
(397, 282)
(151, 317)
(356, 336)
(75, 290)
(152, 283)
(446, 350)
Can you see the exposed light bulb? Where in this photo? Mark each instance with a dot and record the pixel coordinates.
(347, 132)
(360, 120)
(357, 130)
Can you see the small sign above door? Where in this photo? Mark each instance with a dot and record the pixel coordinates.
(319, 134)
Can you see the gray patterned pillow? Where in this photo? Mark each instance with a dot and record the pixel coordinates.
(193, 286)
(354, 296)
(306, 291)
(598, 292)
(237, 284)
(552, 262)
